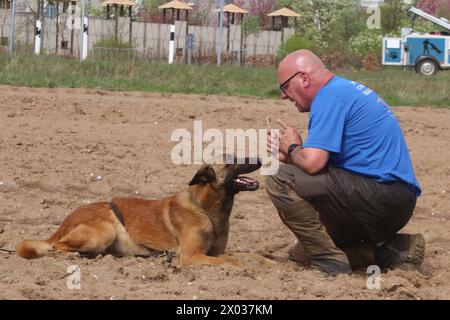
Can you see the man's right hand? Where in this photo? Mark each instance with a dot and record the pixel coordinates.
(273, 147)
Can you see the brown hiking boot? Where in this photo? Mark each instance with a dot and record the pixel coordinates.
(302, 219)
(405, 252)
(297, 254)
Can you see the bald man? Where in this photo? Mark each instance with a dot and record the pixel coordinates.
(347, 190)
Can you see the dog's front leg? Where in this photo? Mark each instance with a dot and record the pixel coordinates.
(194, 247)
(200, 258)
(219, 244)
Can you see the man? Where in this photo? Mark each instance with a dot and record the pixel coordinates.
(349, 188)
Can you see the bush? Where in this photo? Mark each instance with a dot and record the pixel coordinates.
(366, 42)
(296, 42)
(339, 60)
(371, 62)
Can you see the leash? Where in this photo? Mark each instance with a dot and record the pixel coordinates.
(7, 251)
(156, 255)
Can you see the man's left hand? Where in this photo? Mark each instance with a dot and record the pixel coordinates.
(288, 135)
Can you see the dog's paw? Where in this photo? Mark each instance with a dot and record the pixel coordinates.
(234, 262)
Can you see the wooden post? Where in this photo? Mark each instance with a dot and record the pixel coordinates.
(107, 12)
(228, 35)
(158, 45)
(273, 23)
(57, 26)
(121, 11)
(241, 49)
(116, 26)
(178, 14)
(185, 42)
(130, 13)
(164, 16)
(73, 23)
(145, 41)
(38, 13)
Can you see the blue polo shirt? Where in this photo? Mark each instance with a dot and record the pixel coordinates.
(360, 131)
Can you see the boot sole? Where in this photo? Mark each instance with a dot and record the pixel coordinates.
(415, 254)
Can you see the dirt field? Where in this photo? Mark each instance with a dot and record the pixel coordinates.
(61, 148)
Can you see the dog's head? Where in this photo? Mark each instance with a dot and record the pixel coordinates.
(228, 176)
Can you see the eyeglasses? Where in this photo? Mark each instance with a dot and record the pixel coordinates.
(284, 85)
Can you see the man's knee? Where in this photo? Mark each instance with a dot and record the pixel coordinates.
(280, 189)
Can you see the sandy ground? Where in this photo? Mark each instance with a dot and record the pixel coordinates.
(54, 144)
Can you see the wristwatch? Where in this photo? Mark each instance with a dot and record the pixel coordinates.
(292, 147)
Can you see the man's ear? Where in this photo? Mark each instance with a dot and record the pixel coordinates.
(305, 79)
(204, 175)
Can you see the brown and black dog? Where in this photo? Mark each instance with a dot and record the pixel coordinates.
(194, 221)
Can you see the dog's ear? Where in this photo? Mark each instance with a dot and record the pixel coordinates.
(204, 175)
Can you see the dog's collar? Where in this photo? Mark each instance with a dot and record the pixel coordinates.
(117, 213)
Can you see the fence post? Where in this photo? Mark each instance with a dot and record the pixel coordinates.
(219, 35)
(172, 43)
(37, 36)
(13, 27)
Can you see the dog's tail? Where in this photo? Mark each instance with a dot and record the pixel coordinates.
(32, 249)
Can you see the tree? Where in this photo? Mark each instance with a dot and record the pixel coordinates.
(259, 8)
(329, 24)
(203, 13)
(148, 11)
(430, 6)
(249, 26)
(393, 15)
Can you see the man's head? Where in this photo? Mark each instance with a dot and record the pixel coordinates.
(300, 75)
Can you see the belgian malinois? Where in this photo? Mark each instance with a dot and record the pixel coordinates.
(194, 222)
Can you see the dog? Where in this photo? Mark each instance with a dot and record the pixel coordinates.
(194, 222)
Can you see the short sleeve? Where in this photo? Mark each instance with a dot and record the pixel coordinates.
(326, 123)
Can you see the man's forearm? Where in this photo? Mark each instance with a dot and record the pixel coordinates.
(306, 161)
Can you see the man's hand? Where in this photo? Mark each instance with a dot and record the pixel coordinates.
(311, 160)
(273, 147)
(278, 145)
(288, 136)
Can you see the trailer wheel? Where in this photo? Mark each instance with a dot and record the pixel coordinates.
(427, 67)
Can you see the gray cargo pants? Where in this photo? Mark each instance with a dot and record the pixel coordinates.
(351, 208)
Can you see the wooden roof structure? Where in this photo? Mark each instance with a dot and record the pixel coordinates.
(177, 5)
(232, 8)
(127, 3)
(284, 12)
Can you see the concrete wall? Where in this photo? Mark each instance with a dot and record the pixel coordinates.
(149, 39)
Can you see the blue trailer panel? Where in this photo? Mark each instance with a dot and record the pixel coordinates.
(417, 46)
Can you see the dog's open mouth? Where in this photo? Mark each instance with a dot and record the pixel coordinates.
(245, 183)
